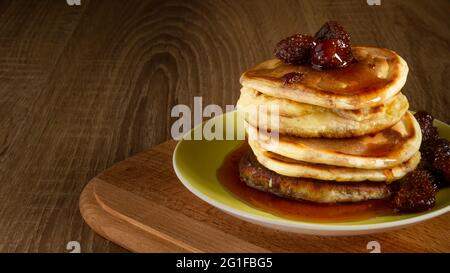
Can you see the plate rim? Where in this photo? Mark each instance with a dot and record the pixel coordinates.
(296, 224)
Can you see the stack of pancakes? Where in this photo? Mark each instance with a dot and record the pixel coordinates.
(344, 134)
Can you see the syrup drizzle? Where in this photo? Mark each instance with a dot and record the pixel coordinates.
(228, 175)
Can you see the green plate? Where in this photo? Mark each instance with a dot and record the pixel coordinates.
(197, 161)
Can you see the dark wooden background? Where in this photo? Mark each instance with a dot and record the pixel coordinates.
(84, 87)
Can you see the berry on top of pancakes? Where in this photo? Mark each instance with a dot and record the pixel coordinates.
(329, 48)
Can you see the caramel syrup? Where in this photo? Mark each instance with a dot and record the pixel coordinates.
(362, 80)
(228, 175)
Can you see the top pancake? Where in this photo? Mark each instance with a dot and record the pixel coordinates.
(377, 75)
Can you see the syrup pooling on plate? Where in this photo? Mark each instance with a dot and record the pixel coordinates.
(228, 175)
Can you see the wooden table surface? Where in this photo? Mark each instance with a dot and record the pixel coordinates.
(83, 87)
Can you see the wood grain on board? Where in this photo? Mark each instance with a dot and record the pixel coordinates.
(140, 204)
(84, 87)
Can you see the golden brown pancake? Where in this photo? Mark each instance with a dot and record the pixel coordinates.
(306, 120)
(257, 176)
(377, 75)
(294, 168)
(385, 149)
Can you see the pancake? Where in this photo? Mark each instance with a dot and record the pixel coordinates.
(306, 120)
(294, 168)
(377, 75)
(385, 149)
(257, 176)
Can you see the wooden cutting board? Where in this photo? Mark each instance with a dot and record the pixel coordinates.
(140, 205)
